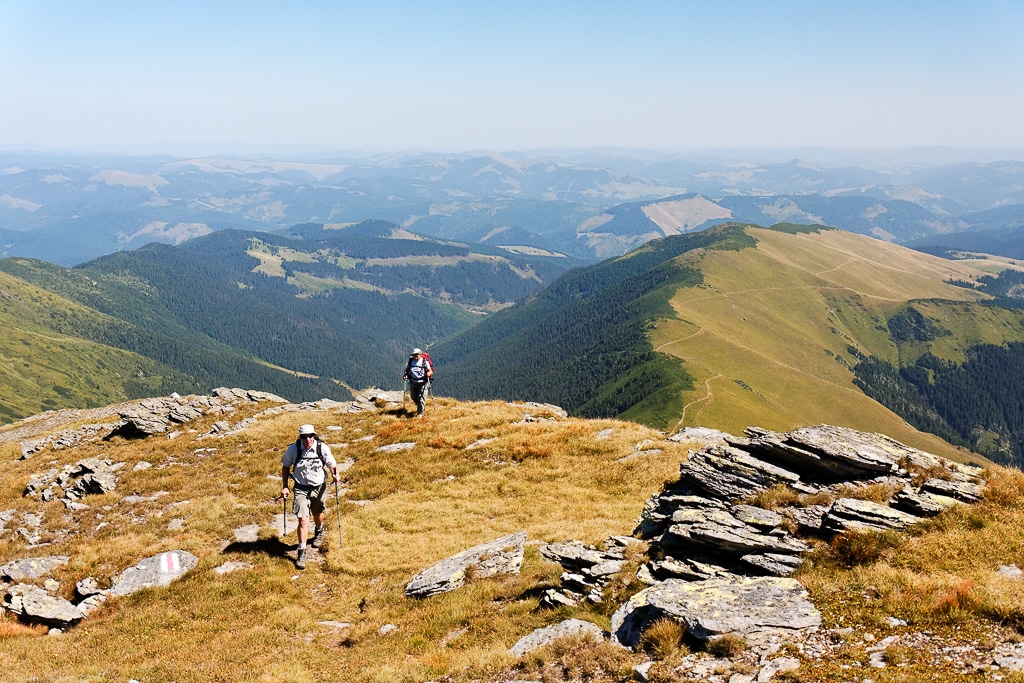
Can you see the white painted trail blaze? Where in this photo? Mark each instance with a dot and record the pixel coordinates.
(169, 563)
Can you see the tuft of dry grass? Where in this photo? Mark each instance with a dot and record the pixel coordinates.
(578, 658)
(727, 645)
(856, 548)
(664, 639)
(781, 496)
(773, 498)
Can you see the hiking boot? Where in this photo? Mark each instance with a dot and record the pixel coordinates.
(300, 559)
(318, 538)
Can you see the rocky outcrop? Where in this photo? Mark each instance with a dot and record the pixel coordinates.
(502, 556)
(159, 415)
(35, 605)
(588, 569)
(720, 565)
(73, 482)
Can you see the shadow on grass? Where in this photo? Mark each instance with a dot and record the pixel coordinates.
(267, 546)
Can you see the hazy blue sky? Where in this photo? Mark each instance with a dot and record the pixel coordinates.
(452, 76)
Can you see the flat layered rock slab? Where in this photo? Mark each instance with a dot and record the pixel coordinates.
(757, 609)
(721, 532)
(851, 514)
(501, 556)
(834, 452)
(728, 473)
(549, 634)
(32, 567)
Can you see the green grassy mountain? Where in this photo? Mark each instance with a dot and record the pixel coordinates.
(303, 315)
(741, 325)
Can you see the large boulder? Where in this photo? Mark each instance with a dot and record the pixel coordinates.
(759, 609)
(502, 556)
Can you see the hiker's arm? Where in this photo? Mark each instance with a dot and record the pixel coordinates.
(285, 473)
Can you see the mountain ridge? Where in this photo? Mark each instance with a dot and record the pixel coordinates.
(769, 332)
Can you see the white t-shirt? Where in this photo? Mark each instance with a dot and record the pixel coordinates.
(309, 469)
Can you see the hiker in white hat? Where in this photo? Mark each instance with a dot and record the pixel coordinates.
(306, 462)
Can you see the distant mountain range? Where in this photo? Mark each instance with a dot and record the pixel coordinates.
(71, 209)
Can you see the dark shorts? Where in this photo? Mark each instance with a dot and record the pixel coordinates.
(309, 499)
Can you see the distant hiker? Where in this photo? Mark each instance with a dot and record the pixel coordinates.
(418, 372)
(307, 461)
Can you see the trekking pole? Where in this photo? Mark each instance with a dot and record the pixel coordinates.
(284, 516)
(337, 505)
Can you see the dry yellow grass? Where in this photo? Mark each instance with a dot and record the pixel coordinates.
(476, 472)
(553, 479)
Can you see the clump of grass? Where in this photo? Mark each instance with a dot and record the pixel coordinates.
(780, 496)
(920, 474)
(1005, 487)
(821, 498)
(956, 602)
(876, 493)
(727, 645)
(859, 548)
(897, 655)
(663, 639)
(775, 497)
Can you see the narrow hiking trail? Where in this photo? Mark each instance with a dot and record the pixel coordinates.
(704, 401)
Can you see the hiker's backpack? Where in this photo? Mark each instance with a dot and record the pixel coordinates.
(417, 371)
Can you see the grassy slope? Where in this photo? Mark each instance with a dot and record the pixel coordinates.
(553, 479)
(42, 369)
(780, 319)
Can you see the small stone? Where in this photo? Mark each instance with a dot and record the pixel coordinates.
(642, 671)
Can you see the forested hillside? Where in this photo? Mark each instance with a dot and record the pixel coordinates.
(582, 342)
(974, 401)
(339, 305)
